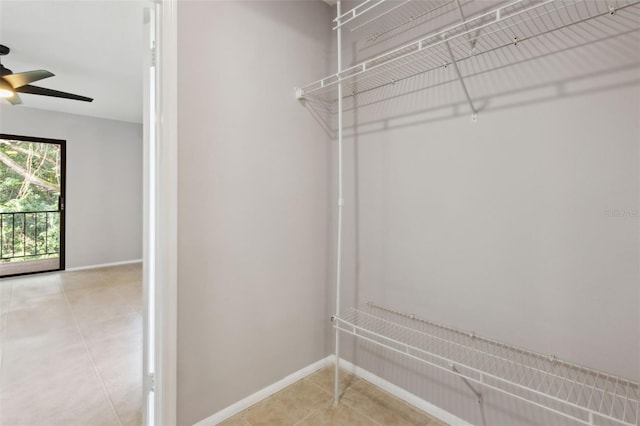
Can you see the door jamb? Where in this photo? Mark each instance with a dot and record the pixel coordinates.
(165, 211)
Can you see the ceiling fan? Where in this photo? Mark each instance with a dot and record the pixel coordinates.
(11, 84)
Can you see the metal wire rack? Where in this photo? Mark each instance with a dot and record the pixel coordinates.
(458, 49)
(507, 34)
(382, 19)
(585, 395)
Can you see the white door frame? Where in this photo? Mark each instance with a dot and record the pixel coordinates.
(160, 222)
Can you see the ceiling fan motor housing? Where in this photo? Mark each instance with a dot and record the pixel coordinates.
(4, 50)
(4, 71)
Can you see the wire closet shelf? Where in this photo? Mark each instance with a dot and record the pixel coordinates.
(479, 43)
(585, 395)
(397, 14)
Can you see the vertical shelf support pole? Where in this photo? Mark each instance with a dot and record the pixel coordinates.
(474, 112)
(336, 390)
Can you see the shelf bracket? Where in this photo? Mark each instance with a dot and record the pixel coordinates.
(466, 382)
(474, 112)
(463, 21)
(299, 93)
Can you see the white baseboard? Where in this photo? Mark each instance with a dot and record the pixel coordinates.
(103, 265)
(394, 390)
(263, 393)
(400, 393)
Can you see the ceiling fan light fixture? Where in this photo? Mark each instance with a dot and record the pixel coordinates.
(6, 91)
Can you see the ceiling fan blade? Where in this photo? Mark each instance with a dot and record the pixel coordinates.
(34, 90)
(15, 99)
(23, 78)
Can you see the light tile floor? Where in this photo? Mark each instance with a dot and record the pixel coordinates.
(309, 402)
(71, 348)
(71, 354)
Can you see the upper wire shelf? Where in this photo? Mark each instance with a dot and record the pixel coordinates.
(570, 22)
(579, 393)
(397, 14)
(354, 14)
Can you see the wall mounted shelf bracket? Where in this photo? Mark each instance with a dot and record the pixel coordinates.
(469, 385)
(474, 112)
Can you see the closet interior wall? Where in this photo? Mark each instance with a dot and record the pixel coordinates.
(522, 227)
(253, 183)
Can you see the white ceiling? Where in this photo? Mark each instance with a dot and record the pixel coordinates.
(94, 48)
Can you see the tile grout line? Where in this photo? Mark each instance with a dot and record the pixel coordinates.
(307, 416)
(305, 379)
(392, 397)
(341, 401)
(93, 364)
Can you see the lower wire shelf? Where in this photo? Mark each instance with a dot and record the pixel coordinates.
(579, 393)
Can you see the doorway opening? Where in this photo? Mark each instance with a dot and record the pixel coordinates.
(32, 197)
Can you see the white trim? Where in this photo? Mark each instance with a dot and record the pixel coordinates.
(402, 394)
(150, 127)
(166, 273)
(252, 399)
(102, 265)
(383, 384)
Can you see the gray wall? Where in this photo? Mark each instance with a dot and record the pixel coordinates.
(253, 186)
(506, 227)
(104, 181)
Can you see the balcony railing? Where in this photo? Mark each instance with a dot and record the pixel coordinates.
(33, 235)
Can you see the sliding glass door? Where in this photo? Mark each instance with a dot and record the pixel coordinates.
(32, 184)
